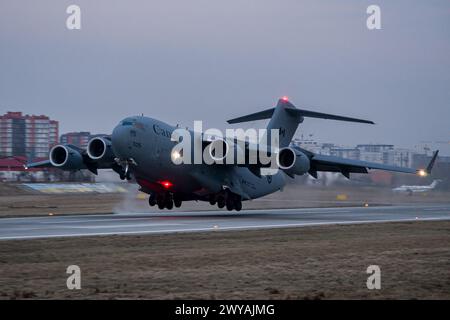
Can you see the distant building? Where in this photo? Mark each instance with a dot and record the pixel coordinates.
(375, 147)
(400, 157)
(349, 153)
(27, 135)
(385, 154)
(378, 153)
(313, 146)
(79, 139)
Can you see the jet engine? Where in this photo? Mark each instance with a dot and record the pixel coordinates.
(230, 152)
(100, 149)
(293, 161)
(217, 150)
(66, 157)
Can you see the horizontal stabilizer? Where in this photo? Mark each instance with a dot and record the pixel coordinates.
(266, 114)
(320, 115)
(295, 113)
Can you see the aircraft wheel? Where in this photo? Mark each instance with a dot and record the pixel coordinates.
(212, 201)
(177, 203)
(160, 201)
(169, 204)
(238, 205)
(152, 200)
(221, 202)
(230, 204)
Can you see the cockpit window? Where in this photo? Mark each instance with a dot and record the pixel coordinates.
(127, 123)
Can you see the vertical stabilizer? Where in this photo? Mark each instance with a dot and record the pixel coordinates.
(283, 120)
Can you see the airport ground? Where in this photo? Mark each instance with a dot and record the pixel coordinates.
(16, 201)
(325, 262)
(312, 262)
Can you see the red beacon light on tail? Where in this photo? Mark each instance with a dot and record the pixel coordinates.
(285, 98)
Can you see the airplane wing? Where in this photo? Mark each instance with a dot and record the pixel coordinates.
(320, 162)
(244, 145)
(71, 158)
(40, 164)
(328, 163)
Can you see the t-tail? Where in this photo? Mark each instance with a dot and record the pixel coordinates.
(434, 183)
(286, 117)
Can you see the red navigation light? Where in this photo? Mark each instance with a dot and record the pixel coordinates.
(285, 98)
(166, 184)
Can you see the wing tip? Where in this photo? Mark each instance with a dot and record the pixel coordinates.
(432, 161)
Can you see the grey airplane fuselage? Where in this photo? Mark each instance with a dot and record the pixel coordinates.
(148, 143)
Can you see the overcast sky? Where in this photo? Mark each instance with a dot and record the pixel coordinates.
(181, 61)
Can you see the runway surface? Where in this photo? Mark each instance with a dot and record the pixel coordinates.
(171, 221)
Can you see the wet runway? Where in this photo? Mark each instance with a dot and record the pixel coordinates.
(171, 221)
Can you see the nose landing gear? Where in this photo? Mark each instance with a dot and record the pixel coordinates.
(122, 167)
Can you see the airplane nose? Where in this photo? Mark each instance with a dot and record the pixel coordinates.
(119, 141)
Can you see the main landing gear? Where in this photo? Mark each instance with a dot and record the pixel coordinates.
(226, 199)
(165, 200)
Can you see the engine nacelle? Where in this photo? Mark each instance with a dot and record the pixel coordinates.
(229, 152)
(293, 161)
(218, 149)
(100, 150)
(66, 158)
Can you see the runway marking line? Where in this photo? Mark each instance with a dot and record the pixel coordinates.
(96, 220)
(125, 226)
(248, 211)
(221, 229)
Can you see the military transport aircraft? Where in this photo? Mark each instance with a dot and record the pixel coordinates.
(141, 149)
